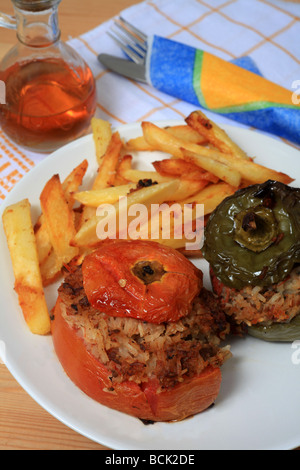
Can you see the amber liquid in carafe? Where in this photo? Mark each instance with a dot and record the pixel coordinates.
(48, 103)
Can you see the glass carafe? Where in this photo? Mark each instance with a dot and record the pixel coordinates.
(50, 90)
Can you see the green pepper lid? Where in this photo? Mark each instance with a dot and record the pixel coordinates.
(253, 237)
(256, 228)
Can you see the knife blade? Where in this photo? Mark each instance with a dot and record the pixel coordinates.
(124, 67)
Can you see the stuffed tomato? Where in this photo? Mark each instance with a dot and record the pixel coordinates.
(136, 331)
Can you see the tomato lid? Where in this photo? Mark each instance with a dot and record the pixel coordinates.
(142, 280)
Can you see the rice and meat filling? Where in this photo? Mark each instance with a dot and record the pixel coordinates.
(252, 305)
(139, 351)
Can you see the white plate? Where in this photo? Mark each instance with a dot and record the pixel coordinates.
(258, 406)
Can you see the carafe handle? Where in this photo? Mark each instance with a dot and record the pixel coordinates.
(8, 21)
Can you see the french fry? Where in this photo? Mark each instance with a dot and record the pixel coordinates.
(156, 194)
(169, 226)
(28, 282)
(102, 135)
(186, 133)
(59, 221)
(50, 270)
(163, 141)
(177, 168)
(125, 163)
(219, 169)
(138, 144)
(107, 170)
(235, 157)
(207, 159)
(42, 239)
(160, 139)
(249, 171)
(77, 213)
(70, 186)
(87, 213)
(227, 167)
(187, 188)
(136, 175)
(74, 181)
(211, 196)
(95, 198)
(111, 195)
(216, 136)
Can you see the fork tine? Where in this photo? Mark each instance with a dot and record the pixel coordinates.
(129, 52)
(134, 30)
(129, 41)
(129, 37)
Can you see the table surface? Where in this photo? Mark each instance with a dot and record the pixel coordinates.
(24, 425)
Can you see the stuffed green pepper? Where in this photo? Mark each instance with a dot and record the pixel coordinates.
(252, 243)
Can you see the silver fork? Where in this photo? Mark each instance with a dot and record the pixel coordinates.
(131, 40)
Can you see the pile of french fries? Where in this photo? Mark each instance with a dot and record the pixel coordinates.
(202, 166)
